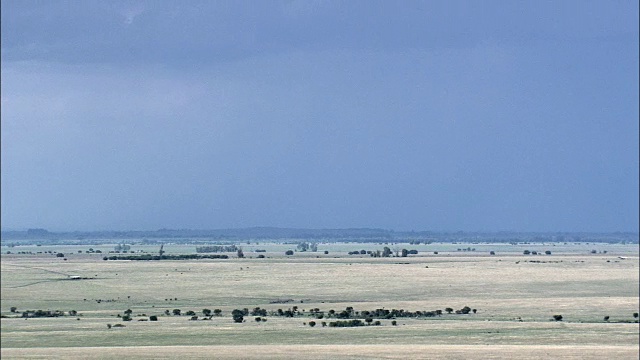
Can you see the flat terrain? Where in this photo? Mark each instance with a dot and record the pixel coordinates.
(515, 296)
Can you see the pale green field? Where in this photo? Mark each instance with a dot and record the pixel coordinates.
(514, 296)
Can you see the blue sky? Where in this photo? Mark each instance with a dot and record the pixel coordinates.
(413, 115)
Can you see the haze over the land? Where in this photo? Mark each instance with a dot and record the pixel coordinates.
(434, 115)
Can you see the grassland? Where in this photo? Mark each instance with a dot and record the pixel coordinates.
(515, 297)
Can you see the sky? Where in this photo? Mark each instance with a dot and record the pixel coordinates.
(412, 115)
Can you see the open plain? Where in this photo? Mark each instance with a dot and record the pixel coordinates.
(513, 296)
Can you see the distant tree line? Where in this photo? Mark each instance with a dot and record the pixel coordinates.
(216, 248)
(147, 257)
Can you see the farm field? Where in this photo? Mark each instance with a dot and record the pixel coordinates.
(515, 297)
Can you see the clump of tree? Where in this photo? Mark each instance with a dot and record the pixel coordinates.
(238, 315)
(346, 323)
(122, 247)
(42, 313)
(258, 312)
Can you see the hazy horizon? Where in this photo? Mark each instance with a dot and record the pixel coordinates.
(419, 115)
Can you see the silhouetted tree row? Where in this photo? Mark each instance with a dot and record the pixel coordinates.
(216, 248)
(42, 313)
(148, 257)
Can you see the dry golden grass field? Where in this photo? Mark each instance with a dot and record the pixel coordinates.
(515, 297)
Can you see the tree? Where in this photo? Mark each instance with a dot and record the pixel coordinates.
(217, 312)
(240, 253)
(14, 309)
(153, 318)
(206, 312)
(448, 310)
(557, 317)
(60, 255)
(190, 313)
(386, 252)
(405, 252)
(548, 252)
(368, 320)
(289, 252)
(238, 315)
(526, 252)
(394, 323)
(396, 249)
(176, 312)
(492, 252)
(635, 315)
(606, 318)
(312, 323)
